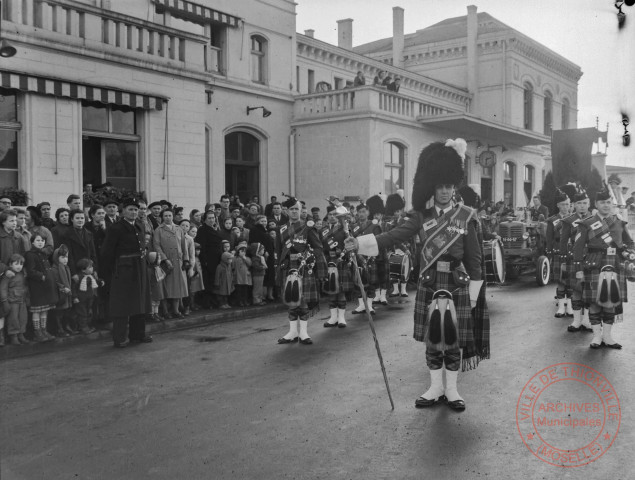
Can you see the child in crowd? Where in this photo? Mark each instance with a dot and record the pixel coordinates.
(258, 268)
(226, 246)
(224, 279)
(85, 294)
(62, 275)
(156, 276)
(13, 296)
(196, 282)
(242, 275)
(42, 287)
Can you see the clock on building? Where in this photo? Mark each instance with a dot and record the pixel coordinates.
(487, 158)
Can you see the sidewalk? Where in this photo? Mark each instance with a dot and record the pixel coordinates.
(195, 319)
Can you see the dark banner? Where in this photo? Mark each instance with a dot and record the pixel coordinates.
(571, 154)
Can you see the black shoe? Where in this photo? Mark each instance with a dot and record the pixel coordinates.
(283, 340)
(457, 405)
(571, 328)
(341, 325)
(585, 329)
(424, 402)
(559, 315)
(404, 294)
(120, 345)
(306, 341)
(146, 339)
(384, 302)
(356, 312)
(570, 315)
(615, 345)
(329, 325)
(393, 295)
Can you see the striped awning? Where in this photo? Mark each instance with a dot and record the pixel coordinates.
(81, 91)
(195, 13)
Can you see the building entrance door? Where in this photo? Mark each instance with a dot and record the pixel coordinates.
(242, 165)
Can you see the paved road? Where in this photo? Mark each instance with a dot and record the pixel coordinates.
(227, 402)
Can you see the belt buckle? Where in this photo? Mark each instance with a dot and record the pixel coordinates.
(611, 251)
(443, 267)
(294, 256)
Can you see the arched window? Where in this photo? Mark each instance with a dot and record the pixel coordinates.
(509, 170)
(242, 164)
(528, 183)
(528, 105)
(394, 154)
(565, 114)
(547, 113)
(258, 59)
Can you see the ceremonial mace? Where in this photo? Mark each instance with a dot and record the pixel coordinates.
(371, 323)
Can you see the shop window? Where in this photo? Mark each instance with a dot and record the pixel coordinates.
(110, 146)
(258, 59)
(528, 106)
(9, 128)
(394, 155)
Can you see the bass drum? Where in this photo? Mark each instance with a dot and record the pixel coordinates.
(494, 261)
(399, 267)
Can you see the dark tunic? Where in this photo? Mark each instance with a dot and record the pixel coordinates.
(125, 269)
(80, 245)
(210, 241)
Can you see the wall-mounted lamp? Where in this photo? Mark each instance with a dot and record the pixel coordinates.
(503, 147)
(6, 49)
(265, 112)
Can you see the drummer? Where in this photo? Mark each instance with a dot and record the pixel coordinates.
(394, 208)
(554, 228)
(573, 287)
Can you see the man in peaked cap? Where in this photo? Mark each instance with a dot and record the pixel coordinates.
(554, 228)
(450, 278)
(573, 287)
(610, 253)
(300, 259)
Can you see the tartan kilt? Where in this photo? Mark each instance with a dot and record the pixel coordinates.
(345, 273)
(310, 290)
(570, 281)
(555, 261)
(371, 269)
(591, 281)
(461, 298)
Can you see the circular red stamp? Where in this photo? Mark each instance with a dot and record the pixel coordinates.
(568, 415)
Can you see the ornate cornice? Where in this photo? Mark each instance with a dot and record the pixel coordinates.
(540, 55)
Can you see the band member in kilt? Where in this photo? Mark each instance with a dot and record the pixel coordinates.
(610, 253)
(365, 226)
(554, 227)
(339, 277)
(301, 268)
(376, 210)
(573, 286)
(393, 218)
(450, 278)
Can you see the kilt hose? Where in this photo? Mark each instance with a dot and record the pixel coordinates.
(461, 299)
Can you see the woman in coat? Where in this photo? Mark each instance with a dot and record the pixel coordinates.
(210, 239)
(259, 234)
(80, 243)
(169, 241)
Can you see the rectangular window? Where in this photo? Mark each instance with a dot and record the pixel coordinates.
(257, 59)
(9, 129)
(311, 81)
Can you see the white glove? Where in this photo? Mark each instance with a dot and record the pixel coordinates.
(474, 288)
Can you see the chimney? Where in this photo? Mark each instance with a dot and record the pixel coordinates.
(309, 33)
(472, 54)
(345, 33)
(397, 37)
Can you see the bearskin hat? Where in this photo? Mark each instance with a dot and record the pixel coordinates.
(470, 197)
(439, 163)
(394, 202)
(604, 194)
(560, 196)
(375, 205)
(570, 189)
(580, 194)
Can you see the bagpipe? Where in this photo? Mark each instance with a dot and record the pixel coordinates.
(292, 291)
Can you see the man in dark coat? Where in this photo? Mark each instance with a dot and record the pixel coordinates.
(210, 240)
(124, 267)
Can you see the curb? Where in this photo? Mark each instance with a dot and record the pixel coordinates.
(194, 320)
